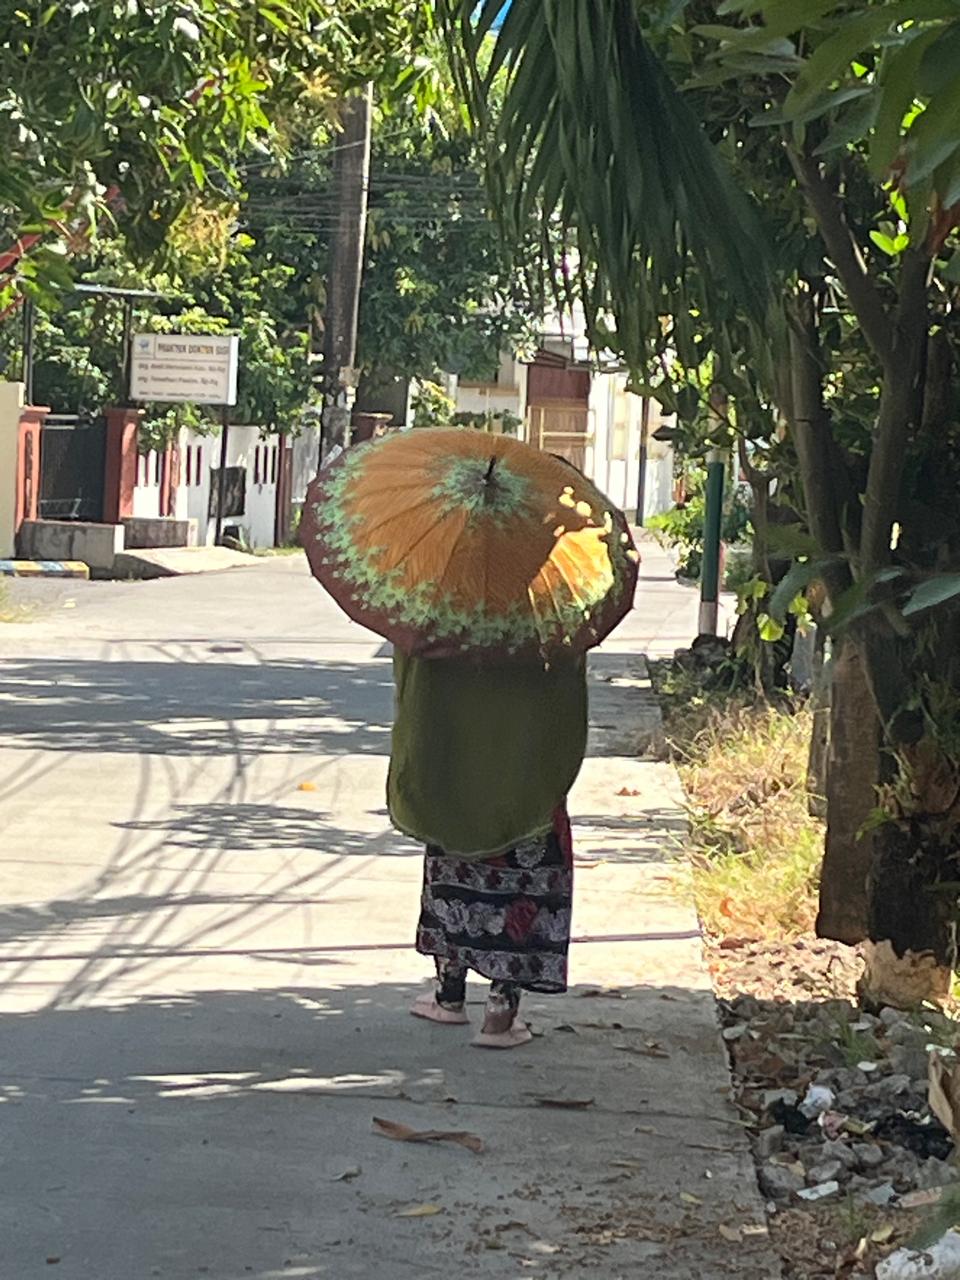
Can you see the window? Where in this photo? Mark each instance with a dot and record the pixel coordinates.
(620, 427)
(234, 491)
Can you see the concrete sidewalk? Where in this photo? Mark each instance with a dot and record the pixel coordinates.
(205, 970)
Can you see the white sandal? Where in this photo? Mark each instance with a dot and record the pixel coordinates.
(517, 1034)
(427, 1006)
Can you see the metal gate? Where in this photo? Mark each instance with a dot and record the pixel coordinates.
(73, 454)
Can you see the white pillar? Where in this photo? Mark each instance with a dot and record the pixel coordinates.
(11, 402)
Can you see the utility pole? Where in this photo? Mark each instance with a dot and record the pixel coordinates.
(351, 181)
(713, 519)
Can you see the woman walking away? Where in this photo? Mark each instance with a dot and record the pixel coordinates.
(492, 568)
(483, 758)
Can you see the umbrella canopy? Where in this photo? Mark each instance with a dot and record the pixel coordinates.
(452, 541)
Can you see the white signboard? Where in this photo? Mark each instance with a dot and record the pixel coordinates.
(184, 366)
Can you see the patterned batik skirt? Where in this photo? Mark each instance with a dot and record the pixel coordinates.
(507, 918)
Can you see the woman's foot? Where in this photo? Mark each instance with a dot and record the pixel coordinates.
(427, 1006)
(502, 1028)
(511, 1037)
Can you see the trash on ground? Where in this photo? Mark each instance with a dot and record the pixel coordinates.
(941, 1259)
(817, 1100)
(944, 1092)
(823, 1191)
(403, 1133)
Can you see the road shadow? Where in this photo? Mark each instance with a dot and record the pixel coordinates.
(230, 1133)
(196, 708)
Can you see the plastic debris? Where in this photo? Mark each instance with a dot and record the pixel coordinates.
(941, 1259)
(822, 1192)
(817, 1100)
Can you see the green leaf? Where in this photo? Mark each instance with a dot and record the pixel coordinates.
(853, 124)
(884, 242)
(797, 578)
(826, 102)
(898, 81)
(770, 629)
(940, 61)
(793, 540)
(931, 593)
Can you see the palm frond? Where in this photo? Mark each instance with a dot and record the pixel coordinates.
(589, 130)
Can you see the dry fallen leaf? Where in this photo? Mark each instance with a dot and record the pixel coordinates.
(353, 1172)
(605, 993)
(944, 1093)
(403, 1133)
(628, 791)
(688, 1198)
(733, 1234)
(884, 1234)
(570, 1104)
(307, 786)
(419, 1211)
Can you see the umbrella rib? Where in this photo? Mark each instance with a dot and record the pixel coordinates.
(400, 515)
(556, 604)
(423, 537)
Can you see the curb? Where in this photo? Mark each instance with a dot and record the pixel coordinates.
(44, 569)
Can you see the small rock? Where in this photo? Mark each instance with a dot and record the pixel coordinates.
(868, 1155)
(838, 1011)
(936, 1173)
(908, 1059)
(890, 1017)
(880, 1196)
(841, 1079)
(905, 1033)
(746, 1007)
(888, 1087)
(770, 1141)
(825, 1171)
(736, 1032)
(865, 1023)
(837, 1150)
(770, 1098)
(781, 1180)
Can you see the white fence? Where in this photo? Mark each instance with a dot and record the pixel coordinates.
(194, 461)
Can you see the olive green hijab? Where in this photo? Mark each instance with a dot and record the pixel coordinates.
(483, 755)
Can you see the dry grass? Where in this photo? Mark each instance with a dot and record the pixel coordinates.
(756, 850)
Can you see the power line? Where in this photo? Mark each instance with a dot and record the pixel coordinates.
(326, 150)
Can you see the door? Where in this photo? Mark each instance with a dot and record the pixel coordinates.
(73, 455)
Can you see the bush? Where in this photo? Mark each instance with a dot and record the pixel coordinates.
(432, 407)
(681, 528)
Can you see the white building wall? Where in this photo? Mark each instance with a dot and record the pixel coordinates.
(306, 451)
(146, 495)
(199, 455)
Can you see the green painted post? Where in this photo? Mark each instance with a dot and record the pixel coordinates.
(712, 521)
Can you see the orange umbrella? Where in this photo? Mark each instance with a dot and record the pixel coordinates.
(452, 541)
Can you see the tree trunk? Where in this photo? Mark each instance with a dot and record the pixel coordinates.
(818, 756)
(914, 927)
(851, 797)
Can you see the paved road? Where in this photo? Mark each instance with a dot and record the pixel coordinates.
(205, 968)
